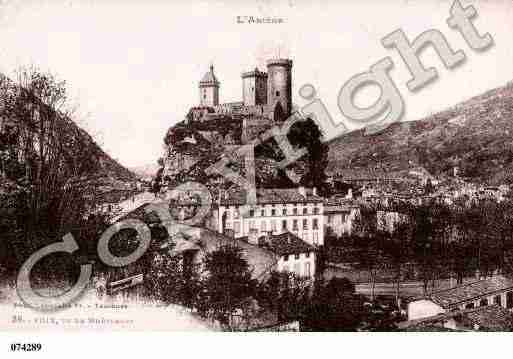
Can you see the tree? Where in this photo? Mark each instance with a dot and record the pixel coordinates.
(334, 307)
(157, 181)
(228, 284)
(398, 250)
(306, 134)
(53, 163)
(372, 257)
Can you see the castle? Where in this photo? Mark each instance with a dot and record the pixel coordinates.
(266, 102)
(266, 96)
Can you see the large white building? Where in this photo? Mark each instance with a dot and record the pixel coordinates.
(296, 210)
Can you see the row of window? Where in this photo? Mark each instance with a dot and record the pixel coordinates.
(343, 217)
(496, 300)
(274, 212)
(296, 256)
(297, 269)
(285, 225)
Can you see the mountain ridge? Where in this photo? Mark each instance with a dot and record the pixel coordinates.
(473, 135)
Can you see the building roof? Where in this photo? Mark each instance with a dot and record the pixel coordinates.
(490, 317)
(270, 196)
(260, 260)
(338, 205)
(287, 243)
(209, 78)
(471, 291)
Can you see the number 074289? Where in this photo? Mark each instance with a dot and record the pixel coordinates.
(27, 347)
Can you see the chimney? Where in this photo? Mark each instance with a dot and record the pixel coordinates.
(253, 236)
(302, 191)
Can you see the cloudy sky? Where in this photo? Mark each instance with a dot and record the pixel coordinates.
(132, 67)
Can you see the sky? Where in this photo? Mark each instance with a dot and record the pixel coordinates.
(132, 67)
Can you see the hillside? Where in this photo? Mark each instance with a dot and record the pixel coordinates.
(21, 130)
(109, 167)
(475, 136)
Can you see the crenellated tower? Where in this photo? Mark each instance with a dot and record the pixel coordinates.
(279, 85)
(254, 88)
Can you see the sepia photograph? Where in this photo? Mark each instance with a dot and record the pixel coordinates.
(257, 166)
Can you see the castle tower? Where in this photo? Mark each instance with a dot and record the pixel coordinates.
(279, 85)
(209, 89)
(254, 88)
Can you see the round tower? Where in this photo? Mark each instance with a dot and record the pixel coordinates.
(279, 84)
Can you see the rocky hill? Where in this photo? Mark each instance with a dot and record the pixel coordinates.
(476, 136)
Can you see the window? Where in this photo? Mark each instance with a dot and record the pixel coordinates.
(236, 227)
(284, 224)
(296, 256)
(315, 223)
(316, 210)
(469, 306)
(297, 268)
(273, 212)
(316, 238)
(273, 225)
(305, 224)
(284, 211)
(263, 226)
(305, 210)
(330, 219)
(307, 254)
(277, 93)
(251, 212)
(497, 300)
(294, 225)
(509, 300)
(307, 270)
(286, 257)
(483, 302)
(262, 212)
(294, 211)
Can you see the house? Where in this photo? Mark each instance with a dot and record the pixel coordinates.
(497, 290)
(339, 216)
(486, 318)
(294, 255)
(193, 243)
(296, 210)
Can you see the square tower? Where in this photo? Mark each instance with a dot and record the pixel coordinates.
(209, 89)
(254, 88)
